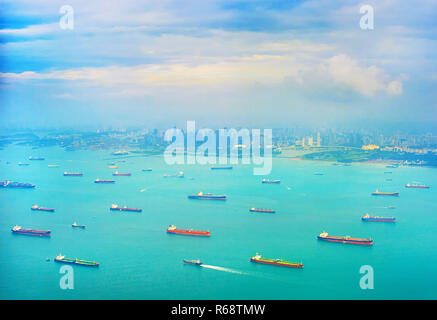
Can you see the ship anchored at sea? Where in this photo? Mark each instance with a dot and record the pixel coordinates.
(16, 185)
(206, 196)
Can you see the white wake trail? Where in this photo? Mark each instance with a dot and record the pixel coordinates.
(221, 269)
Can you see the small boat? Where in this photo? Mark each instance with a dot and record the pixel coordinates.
(30, 232)
(63, 259)
(172, 229)
(73, 174)
(23, 164)
(318, 174)
(271, 181)
(36, 208)
(115, 207)
(347, 239)
(367, 217)
(221, 168)
(388, 172)
(116, 173)
(276, 262)
(112, 167)
(75, 225)
(103, 181)
(148, 169)
(261, 210)
(193, 262)
(36, 158)
(416, 186)
(53, 165)
(206, 196)
(378, 193)
(391, 166)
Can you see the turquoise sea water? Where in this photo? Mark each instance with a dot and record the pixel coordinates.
(139, 260)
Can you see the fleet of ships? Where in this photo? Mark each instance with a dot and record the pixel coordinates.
(172, 229)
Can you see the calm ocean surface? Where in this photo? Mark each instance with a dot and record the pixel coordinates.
(139, 260)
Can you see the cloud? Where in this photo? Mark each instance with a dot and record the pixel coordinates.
(340, 70)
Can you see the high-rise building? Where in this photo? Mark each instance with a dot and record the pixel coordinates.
(319, 142)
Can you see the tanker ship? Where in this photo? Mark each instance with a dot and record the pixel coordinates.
(30, 232)
(36, 208)
(115, 207)
(172, 229)
(417, 186)
(347, 239)
(206, 196)
(63, 259)
(271, 181)
(18, 185)
(378, 193)
(367, 217)
(261, 210)
(276, 262)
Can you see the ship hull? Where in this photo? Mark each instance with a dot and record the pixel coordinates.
(207, 197)
(32, 233)
(394, 194)
(78, 262)
(297, 265)
(16, 185)
(193, 263)
(43, 209)
(379, 219)
(126, 209)
(190, 233)
(364, 242)
(265, 211)
(417, 187)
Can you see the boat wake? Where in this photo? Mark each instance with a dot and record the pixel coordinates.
(221, 269)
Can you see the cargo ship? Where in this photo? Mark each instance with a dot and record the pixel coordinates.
(377, 193)
(75, 225)
(276, 262)
(193, 262)
(63, 259)
(36, 208)
(73, 174)
(11, 184)
(221, 168)
(36, 158)
(120, 153)
(172, 229)
(206, 196)
(367, 217)
(115, 207)
(116, 173)
(30, 232)
(347, 239)
(148, 169)
(271, 181)
(417, 186)
(104, 181)
(261, 210)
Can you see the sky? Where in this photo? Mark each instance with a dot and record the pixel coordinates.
(221, 63)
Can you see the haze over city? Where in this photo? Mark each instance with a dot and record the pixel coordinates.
(221, 63)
